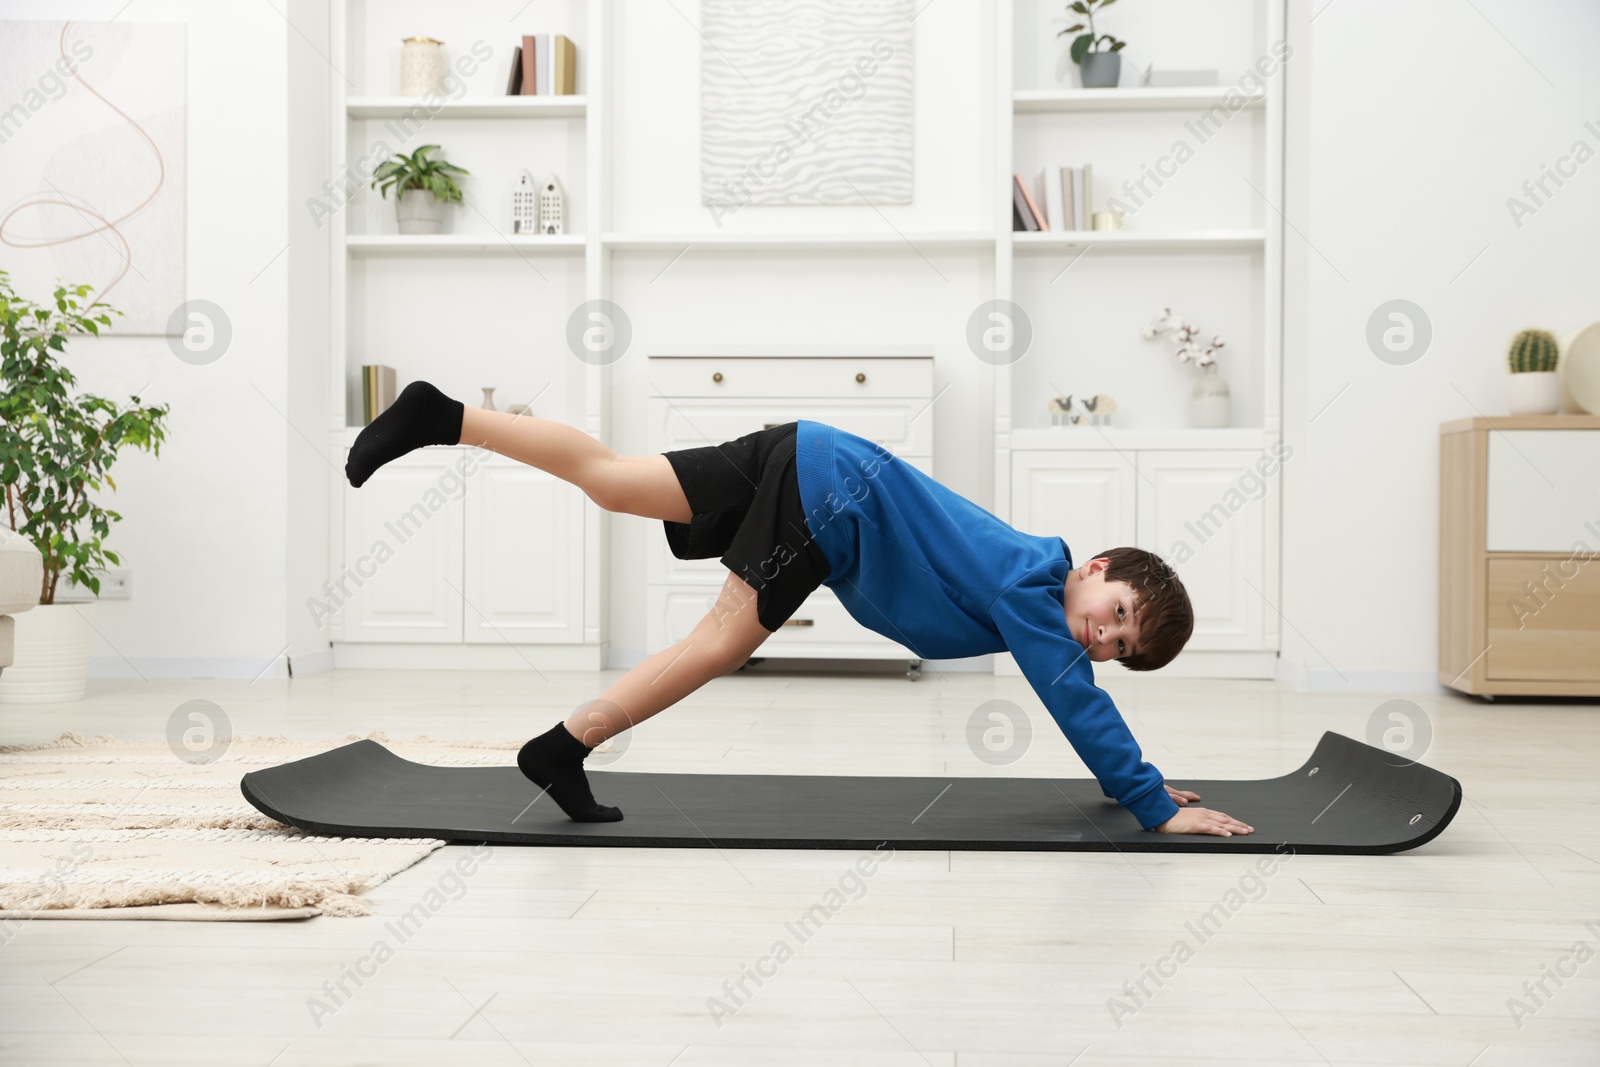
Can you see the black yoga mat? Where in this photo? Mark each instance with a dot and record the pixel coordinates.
(1348, 798)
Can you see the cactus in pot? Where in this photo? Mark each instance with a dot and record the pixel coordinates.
(1535, 387)
(1533, 351)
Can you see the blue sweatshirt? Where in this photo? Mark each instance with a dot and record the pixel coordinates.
(926, 567)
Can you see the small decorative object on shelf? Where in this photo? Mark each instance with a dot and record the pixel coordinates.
(1085, 411)
(1535, 385)
(519, 409)
(552, 207)
(525, 204)
(377, 390)
(421, 67)
(1580, 371)
(1210, 404)
(488, 398)
(1108, 220)
(1099, 68)
(423, 186)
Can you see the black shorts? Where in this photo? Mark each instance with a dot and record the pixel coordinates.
(745, 495)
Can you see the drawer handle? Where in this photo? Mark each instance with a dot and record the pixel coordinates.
(860, 377)
(717, 377)
(799, 622)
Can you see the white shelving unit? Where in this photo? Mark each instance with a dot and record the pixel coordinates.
(1233, 254)
(370, 264)
(1139, 484)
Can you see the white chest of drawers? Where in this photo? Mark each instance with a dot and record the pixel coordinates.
(699, 399)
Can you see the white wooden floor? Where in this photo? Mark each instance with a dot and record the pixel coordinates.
(613, 956)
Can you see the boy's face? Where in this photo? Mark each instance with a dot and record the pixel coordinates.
(1099, 613)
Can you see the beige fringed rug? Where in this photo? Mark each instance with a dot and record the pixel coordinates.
(97, 828)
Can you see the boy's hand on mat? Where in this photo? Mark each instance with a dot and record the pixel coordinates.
(1181, 796)
(1204, 821)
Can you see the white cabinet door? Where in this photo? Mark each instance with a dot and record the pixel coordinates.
(1085, 498)
(1205, 514)
(524, 556)
(1542, 489)
(401, 573)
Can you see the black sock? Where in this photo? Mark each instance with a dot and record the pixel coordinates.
(420, 415)
(554, 761)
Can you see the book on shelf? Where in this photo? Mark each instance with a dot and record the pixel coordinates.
(1048, 192)
(543, 65)
(514, 83)
(377, 391)
(564, 74)
(535, 64)
(1055, 201)
(1021, 201)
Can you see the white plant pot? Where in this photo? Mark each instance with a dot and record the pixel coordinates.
(1534, 393)
(51, 664)
(418, 211)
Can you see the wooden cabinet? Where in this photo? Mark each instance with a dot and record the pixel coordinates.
(452, 546)
(702, 400)
(1519, 528)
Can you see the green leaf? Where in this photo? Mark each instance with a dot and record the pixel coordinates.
(1080, 47)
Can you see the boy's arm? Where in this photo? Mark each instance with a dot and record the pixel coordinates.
(1059, 670)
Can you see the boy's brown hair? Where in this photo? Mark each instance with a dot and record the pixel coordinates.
(1166, 618)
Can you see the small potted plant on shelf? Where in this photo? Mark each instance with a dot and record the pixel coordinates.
(423, 186)
(54, 447)
(1099, 68)
(1535, 386)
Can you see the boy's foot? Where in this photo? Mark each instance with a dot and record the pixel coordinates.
(420, 415)
(554, 762)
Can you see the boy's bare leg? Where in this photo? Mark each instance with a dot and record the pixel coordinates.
(720, 643)
(636, 485)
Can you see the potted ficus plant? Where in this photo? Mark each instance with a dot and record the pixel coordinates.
(1099, 67)
(1535, 385)
(54, 448)
(423, 186)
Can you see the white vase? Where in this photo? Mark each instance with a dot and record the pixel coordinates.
(1210, 403)
(421, 67)
(1534, 393)
(418, 211)
(51, 664)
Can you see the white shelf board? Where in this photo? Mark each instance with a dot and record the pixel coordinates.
(763, 242)
(487, 107)
(1171, 240)
(486, 243)
(1111, 438)
(1202, 97)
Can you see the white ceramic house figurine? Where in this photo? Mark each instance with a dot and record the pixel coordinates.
(525, 204)
(552, 207)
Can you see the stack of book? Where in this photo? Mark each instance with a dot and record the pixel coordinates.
(1057, 200)
(543, 65)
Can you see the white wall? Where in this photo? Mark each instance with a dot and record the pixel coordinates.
(203, 526)
(774, 299)
(1410, 126)
(308, 496)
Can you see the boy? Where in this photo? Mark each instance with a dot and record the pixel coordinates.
(805, 504)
